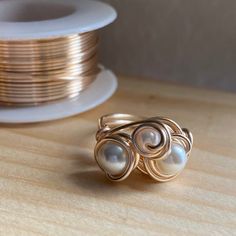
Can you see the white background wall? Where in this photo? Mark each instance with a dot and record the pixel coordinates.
(186, 41)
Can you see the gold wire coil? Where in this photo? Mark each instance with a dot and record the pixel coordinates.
(42, 71)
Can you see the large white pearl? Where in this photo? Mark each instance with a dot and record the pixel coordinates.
(146, 136)
(113, 158)
(175, 161)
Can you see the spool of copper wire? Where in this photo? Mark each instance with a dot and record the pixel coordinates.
(49, 59)
(49, 49)
(41, 71)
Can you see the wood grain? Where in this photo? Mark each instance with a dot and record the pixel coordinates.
(50, 184)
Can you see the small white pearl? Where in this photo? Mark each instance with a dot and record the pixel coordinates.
(175, 161)
(147, 137)
(113, 158)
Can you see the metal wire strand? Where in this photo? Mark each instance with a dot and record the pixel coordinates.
(33, 72)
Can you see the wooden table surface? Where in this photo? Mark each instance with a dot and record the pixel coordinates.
(50, 184)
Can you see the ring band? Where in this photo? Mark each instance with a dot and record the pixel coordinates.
(156, 146)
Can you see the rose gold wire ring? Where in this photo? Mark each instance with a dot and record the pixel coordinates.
(156, 146)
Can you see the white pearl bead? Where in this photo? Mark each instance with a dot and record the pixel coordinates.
(175, 161)
(113, 158)
(147, 136)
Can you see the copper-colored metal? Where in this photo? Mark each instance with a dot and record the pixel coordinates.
(41, 71)
(122, 129)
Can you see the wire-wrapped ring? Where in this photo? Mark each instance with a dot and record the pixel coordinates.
(156, 146)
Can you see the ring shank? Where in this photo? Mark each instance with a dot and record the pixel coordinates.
(117, 119)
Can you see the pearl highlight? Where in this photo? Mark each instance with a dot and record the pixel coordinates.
(113, 158)
(175, 161)
(147, 136)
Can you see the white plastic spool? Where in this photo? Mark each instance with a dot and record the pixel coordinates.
(30, 19)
